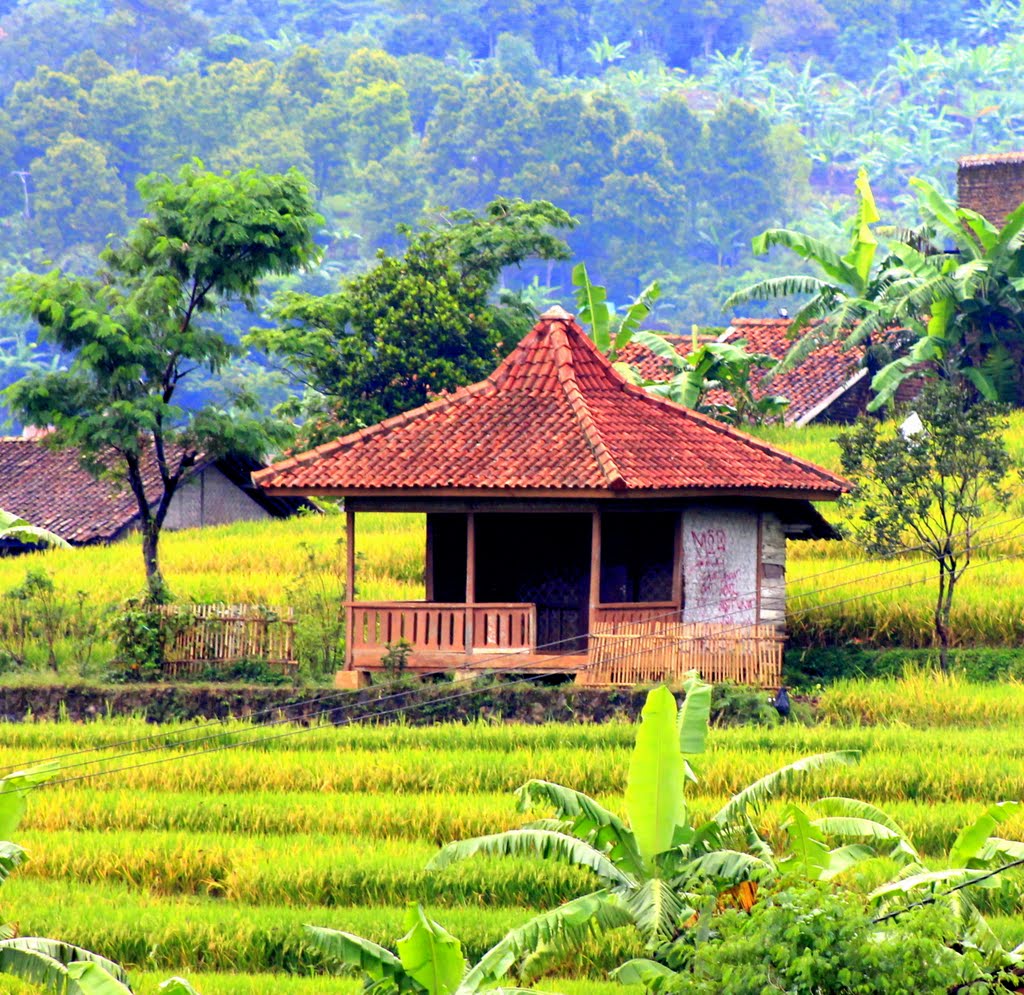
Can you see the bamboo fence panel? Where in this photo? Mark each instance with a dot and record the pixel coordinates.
(216, 634)
(628, 653)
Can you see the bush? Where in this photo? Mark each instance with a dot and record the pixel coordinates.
(737, 704)
(812, 941)
(141, 634)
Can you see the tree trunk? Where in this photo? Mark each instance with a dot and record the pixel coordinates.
(157, 592)
(943, 608)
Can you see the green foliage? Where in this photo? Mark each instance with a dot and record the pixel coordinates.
(726, 367)
(136, 332)
(811, 941)
(924, 488)
(141, 634)
(415, 325)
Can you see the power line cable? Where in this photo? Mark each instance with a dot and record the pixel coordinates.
(478, 665)
(258, 740)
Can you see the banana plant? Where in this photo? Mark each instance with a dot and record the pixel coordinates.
(976, 853)
(610, 334)
(965, 309)
(14, 527)
(655, 864)
(841, 296)
(429, 960)
(727, 366)
(54, 965)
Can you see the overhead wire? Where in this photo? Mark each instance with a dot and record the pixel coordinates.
(401, 709)
(480, 664)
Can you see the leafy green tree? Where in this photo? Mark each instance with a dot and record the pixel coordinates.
(79, 197)
(44, 108)
(137, 334)
(923, 489)
(736, 188)
(126, 113)
(430, 960)
(796, 30)
(656, 865)
(378, 121)
(416, 324)
(637, 210)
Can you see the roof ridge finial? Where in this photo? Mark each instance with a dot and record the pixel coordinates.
(557, 313)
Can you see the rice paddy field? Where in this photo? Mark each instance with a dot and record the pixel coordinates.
(836, 594)
(208, 866)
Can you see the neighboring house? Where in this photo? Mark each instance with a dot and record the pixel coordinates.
(573, 522)
(830, 385)
(50, 488)
(991, 184)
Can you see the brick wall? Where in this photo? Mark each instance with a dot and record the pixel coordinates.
(992, 185)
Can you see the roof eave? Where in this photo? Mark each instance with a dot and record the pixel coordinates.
(564, 493)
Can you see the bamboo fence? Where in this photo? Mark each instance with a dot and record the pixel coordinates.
(628, 653)
(202, 636)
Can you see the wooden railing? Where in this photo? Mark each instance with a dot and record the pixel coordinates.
(628, 653)
(636, 611)
(209, 635)
(442, 629)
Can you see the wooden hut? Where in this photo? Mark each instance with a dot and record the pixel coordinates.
(574, 522)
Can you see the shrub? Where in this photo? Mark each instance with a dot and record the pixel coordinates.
(141, 635)
(812, 941)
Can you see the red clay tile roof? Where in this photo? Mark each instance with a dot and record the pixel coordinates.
(554, 417)
(49, 488)
(818, 380)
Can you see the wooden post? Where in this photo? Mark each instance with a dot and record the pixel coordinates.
(595, 568)
(677, 564)
(428, 560)
(350, 582)
(470, 579)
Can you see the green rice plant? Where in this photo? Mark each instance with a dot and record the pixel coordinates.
(146, 983)
(924, 700)
(428, 819)
(184, 934)
(292, 871)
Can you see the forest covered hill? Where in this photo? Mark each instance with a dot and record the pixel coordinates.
(672, 132)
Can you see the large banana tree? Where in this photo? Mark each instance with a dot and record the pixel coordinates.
(655, 865)
(840, 295)
(429, 960)
(957, 284)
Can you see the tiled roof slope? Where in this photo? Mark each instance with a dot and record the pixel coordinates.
(817, 380)
(49, 488)
(555, 417)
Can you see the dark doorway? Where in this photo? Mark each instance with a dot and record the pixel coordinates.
(636, 556)
(541, 559)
